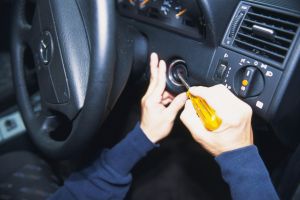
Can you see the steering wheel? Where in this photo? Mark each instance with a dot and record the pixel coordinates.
(74, 51)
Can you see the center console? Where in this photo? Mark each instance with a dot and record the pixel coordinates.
(254, 54)
(252, 47)
(253, 81)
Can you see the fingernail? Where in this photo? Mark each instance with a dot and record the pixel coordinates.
(162, 62)
(153, 54)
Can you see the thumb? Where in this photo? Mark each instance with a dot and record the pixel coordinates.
(176, 105)
(200, 91)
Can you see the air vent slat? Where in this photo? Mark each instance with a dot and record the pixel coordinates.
(273, 45)
(281, 40)
(282, 22)
(258, 50)
(246, 28)
(291, 33)
(267, 33)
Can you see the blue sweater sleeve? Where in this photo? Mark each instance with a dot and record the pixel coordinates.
(109, 177)
(246, 174)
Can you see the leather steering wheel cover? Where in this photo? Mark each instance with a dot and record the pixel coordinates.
(102, 64)
(103, 61)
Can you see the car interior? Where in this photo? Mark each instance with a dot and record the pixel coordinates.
(73, 72)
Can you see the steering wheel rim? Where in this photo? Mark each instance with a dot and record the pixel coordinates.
(100, 80)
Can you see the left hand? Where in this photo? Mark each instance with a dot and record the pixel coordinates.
(158, 118)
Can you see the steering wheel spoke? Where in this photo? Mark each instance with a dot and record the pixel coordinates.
(48, 123)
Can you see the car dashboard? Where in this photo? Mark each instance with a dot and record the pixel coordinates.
(251, 47)
(182, 17)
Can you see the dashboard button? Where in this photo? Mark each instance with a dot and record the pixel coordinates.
(245, 83)
(220, 71)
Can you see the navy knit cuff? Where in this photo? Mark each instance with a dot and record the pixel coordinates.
(244, 171)
(123, 156)
(229, 157)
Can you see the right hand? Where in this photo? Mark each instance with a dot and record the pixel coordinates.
(235, 131)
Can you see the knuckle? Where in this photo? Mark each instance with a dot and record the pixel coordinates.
(218, 87)
(183, 116)
(247, 111)
(147, 103)
(143, 101)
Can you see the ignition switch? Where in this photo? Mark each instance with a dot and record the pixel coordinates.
(174, 84)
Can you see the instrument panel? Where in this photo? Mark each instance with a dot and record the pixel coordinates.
(180, 16)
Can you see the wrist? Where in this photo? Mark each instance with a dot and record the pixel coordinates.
(124, 155)
(233, 149)
(149, 134)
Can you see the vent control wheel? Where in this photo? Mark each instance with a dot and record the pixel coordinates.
(249, 82)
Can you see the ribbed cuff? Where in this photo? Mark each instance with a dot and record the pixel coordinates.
(129, 151)
(237, 156)
(244, 171)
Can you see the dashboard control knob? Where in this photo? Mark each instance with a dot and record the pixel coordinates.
(249, 82)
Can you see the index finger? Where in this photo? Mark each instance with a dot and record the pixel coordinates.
(153, 73)
(194, 124)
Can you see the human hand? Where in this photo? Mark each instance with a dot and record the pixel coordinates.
(159, 108)
(235, 131)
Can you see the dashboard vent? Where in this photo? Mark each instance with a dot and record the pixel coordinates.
(267, 33)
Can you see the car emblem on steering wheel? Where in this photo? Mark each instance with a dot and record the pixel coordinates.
(46, 48)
